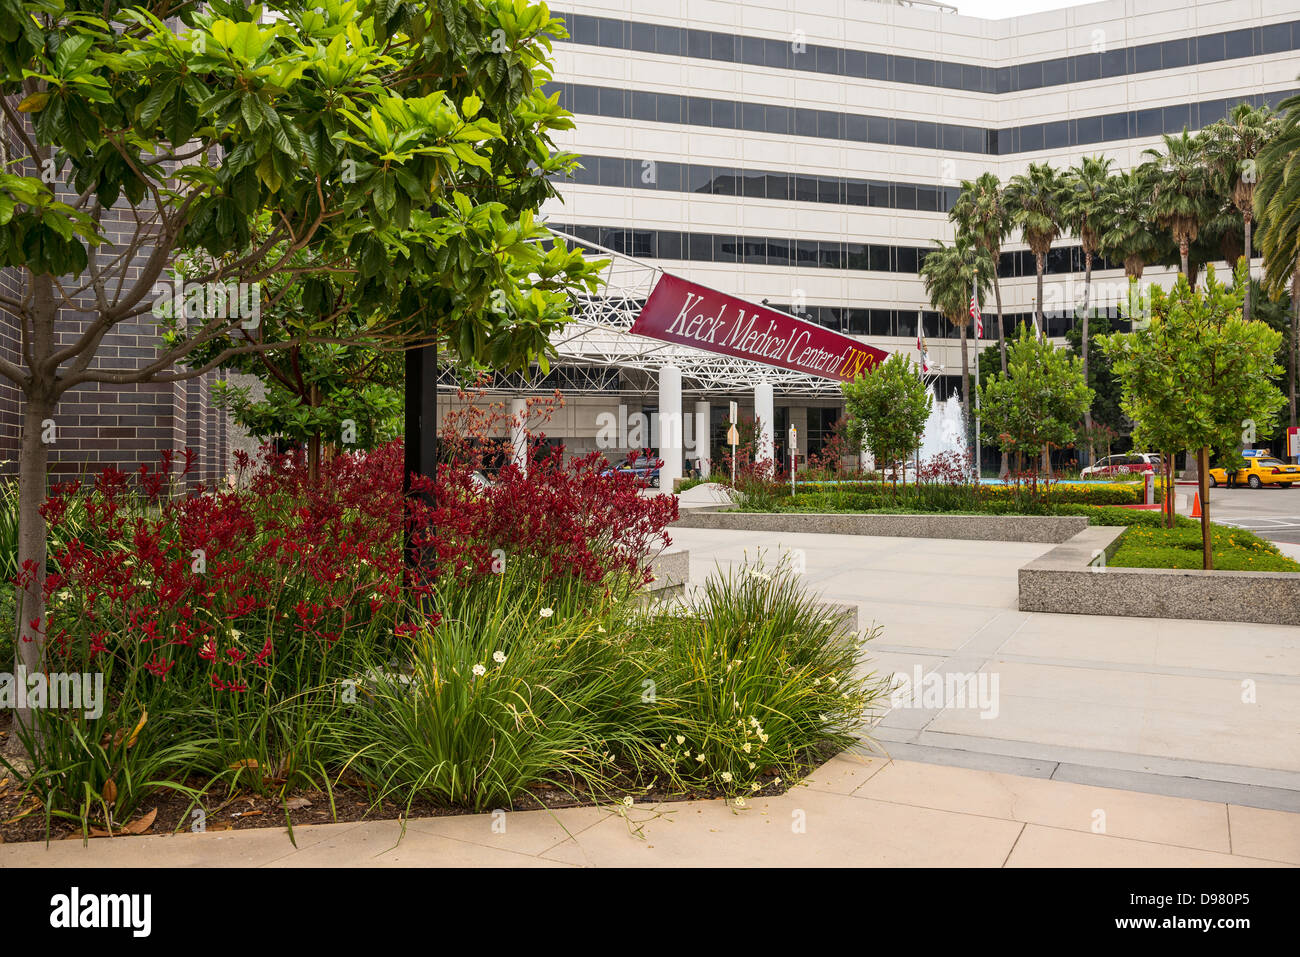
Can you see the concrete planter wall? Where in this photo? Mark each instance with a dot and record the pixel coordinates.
(1070, 580)
(985, 528)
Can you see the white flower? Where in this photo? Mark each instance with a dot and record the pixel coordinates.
(600, 629)
(755, 786)
(747, 747)
(740, 802)
(700, 757)
(681, 739)
(776, 781)
(236, 634)
(547, 612)
(726, 777)
(479, 671)
(752, 765)
(763, 738)
(499, 657)
(627, 801)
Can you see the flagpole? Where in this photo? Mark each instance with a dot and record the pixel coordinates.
(974, 298)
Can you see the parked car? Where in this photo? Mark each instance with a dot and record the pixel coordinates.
(1256, 468)
(643, 467)
(1126, 464)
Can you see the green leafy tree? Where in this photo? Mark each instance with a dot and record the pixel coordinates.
(1084, 213)
(1277, 209)
(1128, 227)
(1038, 402)
(1035, 198)
(365, 171)
(981, 212)
(887, 408)
(1199, 376)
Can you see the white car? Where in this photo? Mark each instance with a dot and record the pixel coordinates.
(1126, 464)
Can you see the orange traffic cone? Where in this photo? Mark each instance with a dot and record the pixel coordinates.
(1196, 506)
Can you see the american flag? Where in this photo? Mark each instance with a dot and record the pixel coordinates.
(975, 314)
(920, 347)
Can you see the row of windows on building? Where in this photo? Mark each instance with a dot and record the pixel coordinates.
(761, 184)
(804, 253)
(896, 68)
(646, 106)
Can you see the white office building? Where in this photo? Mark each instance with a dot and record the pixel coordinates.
(805, 152)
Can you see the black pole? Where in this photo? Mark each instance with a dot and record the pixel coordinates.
(421, 426)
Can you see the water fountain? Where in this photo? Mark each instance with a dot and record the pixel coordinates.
(945, 431)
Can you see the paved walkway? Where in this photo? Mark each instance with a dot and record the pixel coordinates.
(854, 812)
(1204, 710)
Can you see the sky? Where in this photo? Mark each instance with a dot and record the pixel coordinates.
(1001, 9)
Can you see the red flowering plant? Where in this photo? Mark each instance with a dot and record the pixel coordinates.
(238, 619)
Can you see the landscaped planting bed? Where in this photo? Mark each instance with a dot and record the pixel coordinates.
(289, 677)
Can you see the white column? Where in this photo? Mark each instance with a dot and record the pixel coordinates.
(702, 436)
(764, 411)
(670, 426)
(519, 434)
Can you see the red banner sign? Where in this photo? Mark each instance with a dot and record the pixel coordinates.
(693, 315)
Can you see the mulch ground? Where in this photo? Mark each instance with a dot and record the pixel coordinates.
(167, 812)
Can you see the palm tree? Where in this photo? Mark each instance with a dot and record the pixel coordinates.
(1128, 231)
(1182, 191)
(1277, 207)
(981, 212)
(1234, 146)
(1084, 213)
(950, 274)
(1035, 202)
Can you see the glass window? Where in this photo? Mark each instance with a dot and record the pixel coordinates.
(1088, 129)
(642, 37)
(726, 249)
(1176, 117)
(927, 199)
(1113, 63)
(778, 119)
(855, 63)
(584, 29)
(671, 176)
(642, 243)
(581, 99)
(974, 78)
(1003, 79)
(751, 51)
(855, 256)
(776, 53)
(951, 137)
(778, 252)
(880, 322)
(1173, 53)
(1239, 43)
(724, 114)
(612, 33)
(1087, 66)
(878, 258)
(1275, 38)
(1148, 57)
(904, 196)
(905, 259)
(612, 171)
(1115, 126)
(803, 58)
(805, 121)
(1029, 76)
(668, 40)
(830, 255)
(612, 102)
(752, 118)
(904, 69)
(755, 185)
(878, 66)
(588, 173)
(643, 106)
(1056, 135)
(855, 322)
(878, 130)
(778, 186)
(979, 141)
(806, 252)
(1150, 122)
(878, 195)
(722, 46)
(927, 73)
(1054, 72)
(1031, 138)
(855, 128)
(1209, 49)
(670, 107)
(855, 192)
(829, 60)
(754, 250)
(927, 136)
(698, 178)
(699, 111)
(829, 189)
(905, 132)
(830, 125)
(805, 189)
(725, 181)
(698, 44)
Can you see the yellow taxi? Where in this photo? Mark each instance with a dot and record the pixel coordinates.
(1256, 468)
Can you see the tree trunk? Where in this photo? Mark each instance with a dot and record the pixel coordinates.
(1184, 248)
(1169, 489)
(1083, 342)
(1203, 457)
(1040, 264)
(1002, 337)
(32, 546)
(1294, 349)
(1245, 302)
